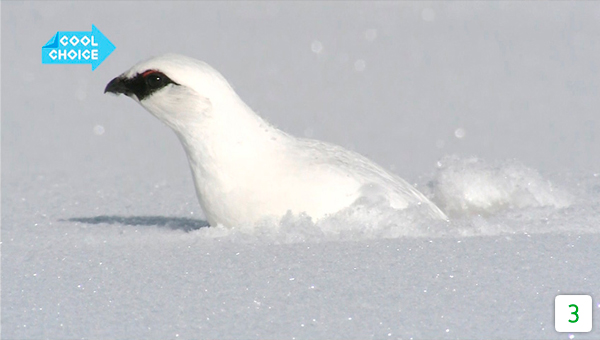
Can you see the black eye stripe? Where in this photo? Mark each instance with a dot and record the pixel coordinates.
(145, 83)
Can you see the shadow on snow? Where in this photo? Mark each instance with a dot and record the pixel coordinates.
(175, 223)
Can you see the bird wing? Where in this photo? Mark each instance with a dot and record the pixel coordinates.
(372, 177)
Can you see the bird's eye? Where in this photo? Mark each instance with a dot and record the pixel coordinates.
(156, 80)
(148, 82)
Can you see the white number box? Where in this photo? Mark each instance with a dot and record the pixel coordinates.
(573, 313)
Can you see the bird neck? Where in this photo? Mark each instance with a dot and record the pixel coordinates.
(231, 136)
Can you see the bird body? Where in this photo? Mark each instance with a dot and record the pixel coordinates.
(244, 169)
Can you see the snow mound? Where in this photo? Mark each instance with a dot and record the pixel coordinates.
(358, 222)
(472, 186)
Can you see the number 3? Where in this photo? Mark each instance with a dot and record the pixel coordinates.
(574, 313)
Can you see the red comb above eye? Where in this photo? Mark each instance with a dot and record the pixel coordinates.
(148, 72)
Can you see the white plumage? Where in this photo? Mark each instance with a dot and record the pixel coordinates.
(244, 169)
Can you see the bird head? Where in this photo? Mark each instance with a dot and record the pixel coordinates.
(174, 88)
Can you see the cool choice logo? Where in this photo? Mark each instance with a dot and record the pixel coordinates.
(77, 48)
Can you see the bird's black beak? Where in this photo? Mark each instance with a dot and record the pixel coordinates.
(117, 86)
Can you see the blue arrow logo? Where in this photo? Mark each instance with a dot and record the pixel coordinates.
(77, 48)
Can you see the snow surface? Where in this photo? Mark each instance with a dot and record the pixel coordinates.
(489, 108)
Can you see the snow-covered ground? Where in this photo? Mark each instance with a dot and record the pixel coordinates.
(490, 108)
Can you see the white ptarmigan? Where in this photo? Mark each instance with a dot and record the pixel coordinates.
(244, 169)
